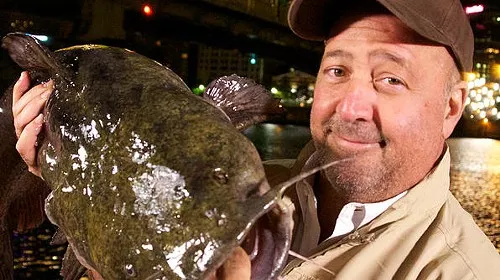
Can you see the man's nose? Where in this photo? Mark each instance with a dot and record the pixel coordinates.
(357, 103)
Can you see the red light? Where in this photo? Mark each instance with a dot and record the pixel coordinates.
(480, 26)
(147, 10)
(474, 9)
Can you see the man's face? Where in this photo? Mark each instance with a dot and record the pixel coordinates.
(380, 97)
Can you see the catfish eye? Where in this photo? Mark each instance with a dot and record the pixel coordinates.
(220, 175)
(129, 270)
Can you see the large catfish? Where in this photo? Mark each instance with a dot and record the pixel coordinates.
(149, 181)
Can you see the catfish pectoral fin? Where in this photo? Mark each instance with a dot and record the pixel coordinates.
(26, 209)
(72, 269)
(243, 100)
(59, 238)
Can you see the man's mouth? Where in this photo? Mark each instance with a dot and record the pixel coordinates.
(353, 137)
(353, 144)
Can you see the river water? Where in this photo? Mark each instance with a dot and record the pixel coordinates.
(475, 168)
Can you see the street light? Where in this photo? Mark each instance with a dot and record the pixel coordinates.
(147, 10)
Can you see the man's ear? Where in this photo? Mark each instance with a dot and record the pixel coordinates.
(454, 107)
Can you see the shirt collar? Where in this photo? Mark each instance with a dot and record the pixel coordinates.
(355, 215)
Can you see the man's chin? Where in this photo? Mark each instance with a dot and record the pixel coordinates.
(360, 177)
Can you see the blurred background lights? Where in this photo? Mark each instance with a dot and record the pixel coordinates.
(147, 10)
(43, 38)
(253, 59)
(483, 100)
(474, 9)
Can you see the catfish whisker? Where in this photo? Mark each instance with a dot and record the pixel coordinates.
(256, 247)
(283, 186)
(299, 256)
(155, 276)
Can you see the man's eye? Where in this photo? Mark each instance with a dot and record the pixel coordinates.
(394, 81)
(337, 72)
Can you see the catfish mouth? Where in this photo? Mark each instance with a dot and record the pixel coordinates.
(267, 244)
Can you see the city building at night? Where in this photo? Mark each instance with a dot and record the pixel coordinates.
(216, 62)
(295, 88)
(485, 22)
(482, 111)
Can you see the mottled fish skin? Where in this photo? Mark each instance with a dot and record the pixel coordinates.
(147, 178)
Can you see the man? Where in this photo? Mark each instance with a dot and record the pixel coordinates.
(388, 94)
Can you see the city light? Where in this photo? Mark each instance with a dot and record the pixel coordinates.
(492, 50)
(474, 9)
(198, 90)
(253, 59)
(483, 100)
(42, 38)
(147, 10)
(470, 77)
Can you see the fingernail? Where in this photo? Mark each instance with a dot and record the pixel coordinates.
(39, 119)
(49, 83)
(20, 77)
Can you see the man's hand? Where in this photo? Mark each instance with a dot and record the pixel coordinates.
(237, 266)
(27, 105)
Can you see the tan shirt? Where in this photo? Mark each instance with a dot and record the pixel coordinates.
(424, 235)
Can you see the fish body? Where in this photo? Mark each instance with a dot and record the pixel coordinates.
(149, 181)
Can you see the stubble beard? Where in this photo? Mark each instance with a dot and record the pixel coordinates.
(361, 179)
(366, 176)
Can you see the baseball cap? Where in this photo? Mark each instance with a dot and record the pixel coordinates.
(441, 21)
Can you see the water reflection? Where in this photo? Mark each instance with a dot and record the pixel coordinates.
(275, 141)
(475, 181)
